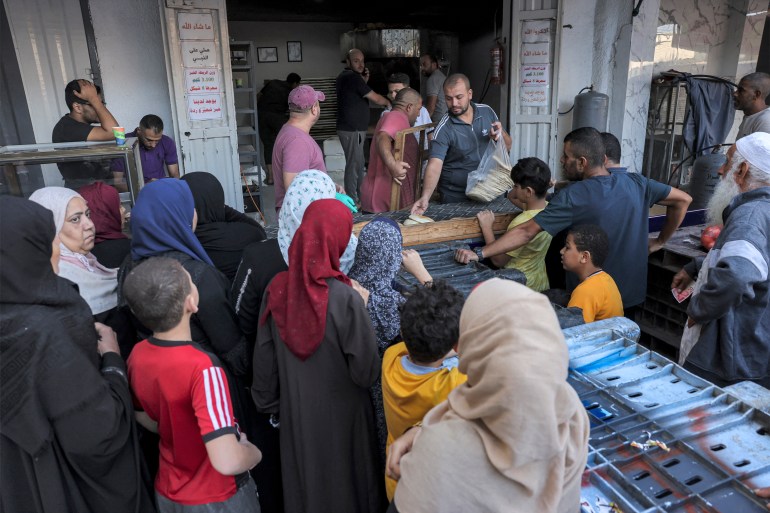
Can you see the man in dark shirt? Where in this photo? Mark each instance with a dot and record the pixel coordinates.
(618, 202)
(273, 111)
(353, 95)
(86, 108)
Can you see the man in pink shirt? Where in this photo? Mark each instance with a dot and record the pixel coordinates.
(384, 169)
(294, 150)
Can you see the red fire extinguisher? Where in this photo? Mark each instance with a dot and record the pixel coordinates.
(496, 53)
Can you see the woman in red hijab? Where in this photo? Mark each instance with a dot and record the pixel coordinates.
(108, 215)
(314, 362)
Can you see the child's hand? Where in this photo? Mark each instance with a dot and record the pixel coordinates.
(412, 262)
(486, 219)
(465, 256)
(361, 290)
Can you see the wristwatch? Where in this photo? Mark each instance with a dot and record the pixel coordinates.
(479, 250)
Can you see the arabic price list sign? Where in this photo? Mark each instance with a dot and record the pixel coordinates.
(202, 72)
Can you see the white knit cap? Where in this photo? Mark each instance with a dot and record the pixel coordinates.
(56, 200)
(755, 149)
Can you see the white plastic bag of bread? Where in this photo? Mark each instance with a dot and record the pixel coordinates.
(493, 176)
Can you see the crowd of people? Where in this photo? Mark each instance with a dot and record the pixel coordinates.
(199, 366)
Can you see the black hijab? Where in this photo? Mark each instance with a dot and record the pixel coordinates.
(222, 231)
(33, 299)
(67, 435)
(209, 197)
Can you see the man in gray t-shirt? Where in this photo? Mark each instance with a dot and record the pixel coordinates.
(749, 97)
(434, 88)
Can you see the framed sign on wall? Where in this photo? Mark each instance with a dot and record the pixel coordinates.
(267, 54)
(294, 51)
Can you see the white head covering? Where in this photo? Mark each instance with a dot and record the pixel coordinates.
(56, 200)
(97, 284)
(307, 187)
(755, 149)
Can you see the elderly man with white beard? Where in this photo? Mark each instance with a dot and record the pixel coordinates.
(727, 338)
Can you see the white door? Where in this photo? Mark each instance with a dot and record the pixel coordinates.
(201, 86)
(534, 65)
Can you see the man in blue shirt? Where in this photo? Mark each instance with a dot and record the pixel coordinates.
(618, 202)
(459, 141)
(155, 150)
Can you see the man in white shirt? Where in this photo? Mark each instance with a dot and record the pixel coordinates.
(434, 89)
(396, 82)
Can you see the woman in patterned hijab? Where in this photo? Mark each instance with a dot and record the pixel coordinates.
(378, 259)
(307, 187)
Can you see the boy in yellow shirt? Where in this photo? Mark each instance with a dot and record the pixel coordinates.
(584, 253)
(531, 179)
(419, 373)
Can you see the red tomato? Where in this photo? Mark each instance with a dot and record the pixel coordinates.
(709, 236)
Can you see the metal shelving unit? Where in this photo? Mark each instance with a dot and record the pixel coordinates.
(242, 59)
(664, 146)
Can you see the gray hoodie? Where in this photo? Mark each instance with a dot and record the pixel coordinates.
(733, 306)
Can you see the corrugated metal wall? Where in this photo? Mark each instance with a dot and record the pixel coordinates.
(533, 129)
(51, 49)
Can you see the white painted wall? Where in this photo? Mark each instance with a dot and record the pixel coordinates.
(575, 64)
(130, 47)
(320, 47)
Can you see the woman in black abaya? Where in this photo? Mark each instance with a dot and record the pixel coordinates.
(68, 436)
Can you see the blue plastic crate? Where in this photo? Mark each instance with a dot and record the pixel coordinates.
(603, 407)
(601, 331)
(645, 363)
(732, 496)
(738, 447)
(669, 385)
(757, 479)
(689, 467)
(603, 485)
(606, 356)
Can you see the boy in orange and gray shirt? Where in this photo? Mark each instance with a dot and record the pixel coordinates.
(419, 373)
(584, 253)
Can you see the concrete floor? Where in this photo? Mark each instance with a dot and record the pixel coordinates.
(268, 199)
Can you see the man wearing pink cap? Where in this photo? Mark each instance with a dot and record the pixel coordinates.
(727, 338)
(294, 150)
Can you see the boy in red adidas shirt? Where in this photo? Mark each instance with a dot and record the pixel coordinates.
(183, 395)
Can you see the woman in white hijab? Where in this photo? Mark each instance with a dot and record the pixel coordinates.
(97, 284)
(514, 438)
(311, 185)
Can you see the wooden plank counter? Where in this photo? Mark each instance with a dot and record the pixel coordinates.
(442, 231)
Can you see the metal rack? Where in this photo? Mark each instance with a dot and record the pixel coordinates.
(242, 59)
(664, 146)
